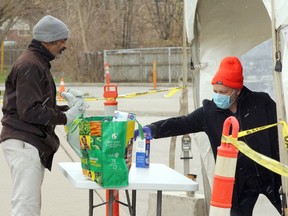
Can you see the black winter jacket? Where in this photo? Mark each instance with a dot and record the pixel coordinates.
(29, 107)
(254, 109)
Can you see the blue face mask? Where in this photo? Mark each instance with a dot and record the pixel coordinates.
(222, 101)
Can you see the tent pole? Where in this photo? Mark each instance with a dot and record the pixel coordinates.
(281, 115)
(186, 139)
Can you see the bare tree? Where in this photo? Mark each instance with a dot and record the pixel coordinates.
(127, 24)
(165, 16)
(11, 11)
(96, 25)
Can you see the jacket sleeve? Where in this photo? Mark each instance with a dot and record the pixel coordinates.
(192, 123)
(62, 108)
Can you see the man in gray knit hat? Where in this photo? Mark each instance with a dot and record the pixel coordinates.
(30, 115)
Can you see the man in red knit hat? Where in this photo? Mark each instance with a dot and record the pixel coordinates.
(252, 109)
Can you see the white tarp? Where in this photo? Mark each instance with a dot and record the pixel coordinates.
(189, 13)
(280, 11)
(281, 22)
(284, 40)
(281, 15)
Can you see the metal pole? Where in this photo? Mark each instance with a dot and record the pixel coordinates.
(281, 114)
(159, 203)
(91, 202)
(154, 74)
(169, 60)
(184, 103)
(2, 57)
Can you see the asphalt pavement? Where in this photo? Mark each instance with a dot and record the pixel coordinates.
(60, 198)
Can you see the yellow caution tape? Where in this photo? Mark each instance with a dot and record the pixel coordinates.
(261, 159)
(171, 92)
(254, 130)
(86, 99)
(285, 132)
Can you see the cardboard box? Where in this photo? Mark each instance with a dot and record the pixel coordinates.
(142, 152)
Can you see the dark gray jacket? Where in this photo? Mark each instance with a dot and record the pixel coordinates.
(29, 107)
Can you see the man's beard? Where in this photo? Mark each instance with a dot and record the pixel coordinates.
(60, 52)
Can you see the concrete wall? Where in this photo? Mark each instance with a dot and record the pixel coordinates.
(175, 203)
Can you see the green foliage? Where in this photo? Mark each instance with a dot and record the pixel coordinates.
(4, 73)
(2, 78)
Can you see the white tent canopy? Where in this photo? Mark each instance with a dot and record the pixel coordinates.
(229, 28)
(280, 10)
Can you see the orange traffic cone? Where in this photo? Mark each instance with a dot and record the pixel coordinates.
(62, 88)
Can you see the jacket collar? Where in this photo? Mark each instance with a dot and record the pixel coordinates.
(244, 92)
(38, 47)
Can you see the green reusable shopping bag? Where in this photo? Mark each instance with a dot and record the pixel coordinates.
(115, 170)
(104, 145)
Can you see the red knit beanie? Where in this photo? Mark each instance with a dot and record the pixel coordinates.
(229, 73)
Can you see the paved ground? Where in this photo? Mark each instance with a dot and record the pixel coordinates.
(61, 198)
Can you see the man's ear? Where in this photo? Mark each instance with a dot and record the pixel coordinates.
(49, 44)
(45, 44)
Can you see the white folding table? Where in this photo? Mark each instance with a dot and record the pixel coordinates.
(158, 177)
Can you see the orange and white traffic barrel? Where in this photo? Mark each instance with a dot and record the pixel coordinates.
(224, 177)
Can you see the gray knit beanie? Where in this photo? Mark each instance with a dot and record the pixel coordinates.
(49, 29)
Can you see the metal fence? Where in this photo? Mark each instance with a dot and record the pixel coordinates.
(11, 54)
(136, 65)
